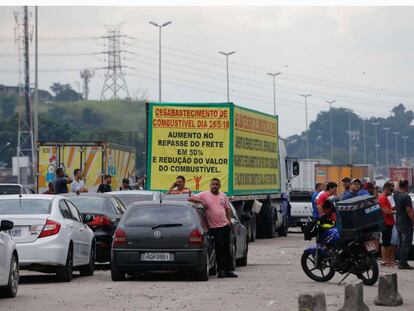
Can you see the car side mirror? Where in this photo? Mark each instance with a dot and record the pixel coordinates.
(6, 225)
(88, 218)
(246, 217)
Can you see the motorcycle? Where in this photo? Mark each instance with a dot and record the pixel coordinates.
(332, 253)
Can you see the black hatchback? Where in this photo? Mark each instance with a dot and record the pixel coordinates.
(162, 236)
(107, 212)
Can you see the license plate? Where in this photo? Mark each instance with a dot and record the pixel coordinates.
(157, 257)
(15, 232)
(370, 246)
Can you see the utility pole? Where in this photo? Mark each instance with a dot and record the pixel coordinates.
(386, 129)
(350, 137)
(36, 87)
(363, 141)
(114, 82)
(227, 66)
(405, 147)
(331, 102)
(375, 124)
(396, 147)
(305, 96)
(274, 75)
(25, 143)
(160, 26)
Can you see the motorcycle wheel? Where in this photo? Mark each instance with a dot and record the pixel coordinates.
(369, 276)
(323, 273)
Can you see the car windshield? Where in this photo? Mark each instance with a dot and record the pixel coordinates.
(127, 199)
(24, 206)
(9, 189)
(93, 205)
(143, 216)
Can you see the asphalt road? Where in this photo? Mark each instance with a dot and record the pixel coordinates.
(272, 280)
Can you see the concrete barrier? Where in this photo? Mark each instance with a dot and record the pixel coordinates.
(312, 302)
(388, 291)
(354, 298)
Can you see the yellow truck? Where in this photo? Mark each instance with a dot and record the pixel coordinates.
(331, 172)
(95, 159)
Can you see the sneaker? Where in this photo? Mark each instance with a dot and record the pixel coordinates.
(231, 274)
(405, 267)
(221, 274)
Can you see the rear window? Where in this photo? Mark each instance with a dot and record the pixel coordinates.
(127, 199)
(93, 205)
(10, 189)
(25, 207)
(143, 216)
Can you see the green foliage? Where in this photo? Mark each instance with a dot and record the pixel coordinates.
(64, 92)
(319, 136)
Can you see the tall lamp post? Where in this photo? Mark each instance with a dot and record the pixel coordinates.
(405, 146)
(375, 124)
(227, 66)
(305, 96)
(274, 75)
(330, 102)
(396, 147)
(386, 129)
(160, 26)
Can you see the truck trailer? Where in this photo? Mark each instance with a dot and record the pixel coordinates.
(95, 159)
(239, 146)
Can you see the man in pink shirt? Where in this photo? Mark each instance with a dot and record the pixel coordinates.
(218, 216)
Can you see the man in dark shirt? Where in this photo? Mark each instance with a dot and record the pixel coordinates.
(61, 181)
(106, 185)
(405, 222)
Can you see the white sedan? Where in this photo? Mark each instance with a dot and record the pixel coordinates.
(50, 234)
(9, 262)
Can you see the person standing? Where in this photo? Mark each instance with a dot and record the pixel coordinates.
(178, 187)
(78, 185)
(125, 185)
(405, 222)
(61, 181)
(218, 215)
(346, 183)
(318, 189)
(355, 190)
(106, 185)
(388, 213)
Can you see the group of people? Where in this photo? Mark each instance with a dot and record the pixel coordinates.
(396, 207)
(78, 185)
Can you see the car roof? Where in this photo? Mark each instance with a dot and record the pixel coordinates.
(167, 202)
(131, 192)
(87, 195)
(30, 196)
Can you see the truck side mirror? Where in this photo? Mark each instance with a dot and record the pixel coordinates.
(295, 168)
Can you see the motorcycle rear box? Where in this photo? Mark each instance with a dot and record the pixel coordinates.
(360, 214)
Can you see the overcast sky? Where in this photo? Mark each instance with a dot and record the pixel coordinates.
(362, 57)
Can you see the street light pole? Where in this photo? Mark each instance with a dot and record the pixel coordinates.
(330, 102)
(405, 146)
(386, 129)
(274, 75)
(375, 124)
(396, 147)
(349, 137)
(159, 55)
(306, 123)
(227, 66)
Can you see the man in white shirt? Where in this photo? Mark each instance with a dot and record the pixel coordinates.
(78, 184)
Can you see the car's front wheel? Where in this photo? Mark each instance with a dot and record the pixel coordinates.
(10, 290)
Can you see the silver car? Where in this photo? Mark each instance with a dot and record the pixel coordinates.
(9, 262)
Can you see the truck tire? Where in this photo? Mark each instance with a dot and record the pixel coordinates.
(252, 228)
(268, 219)
(283, 230)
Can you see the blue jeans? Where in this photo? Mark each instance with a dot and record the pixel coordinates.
(406, 238)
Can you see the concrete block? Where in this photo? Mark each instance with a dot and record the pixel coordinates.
(354, 298)
(388, 291)
(312, 302)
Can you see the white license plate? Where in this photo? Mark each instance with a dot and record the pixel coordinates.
(370, 246)
(15, 232)
(157, 257)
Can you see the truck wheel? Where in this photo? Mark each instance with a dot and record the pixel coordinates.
(283, 230)
(252, 228)
(268, 219)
